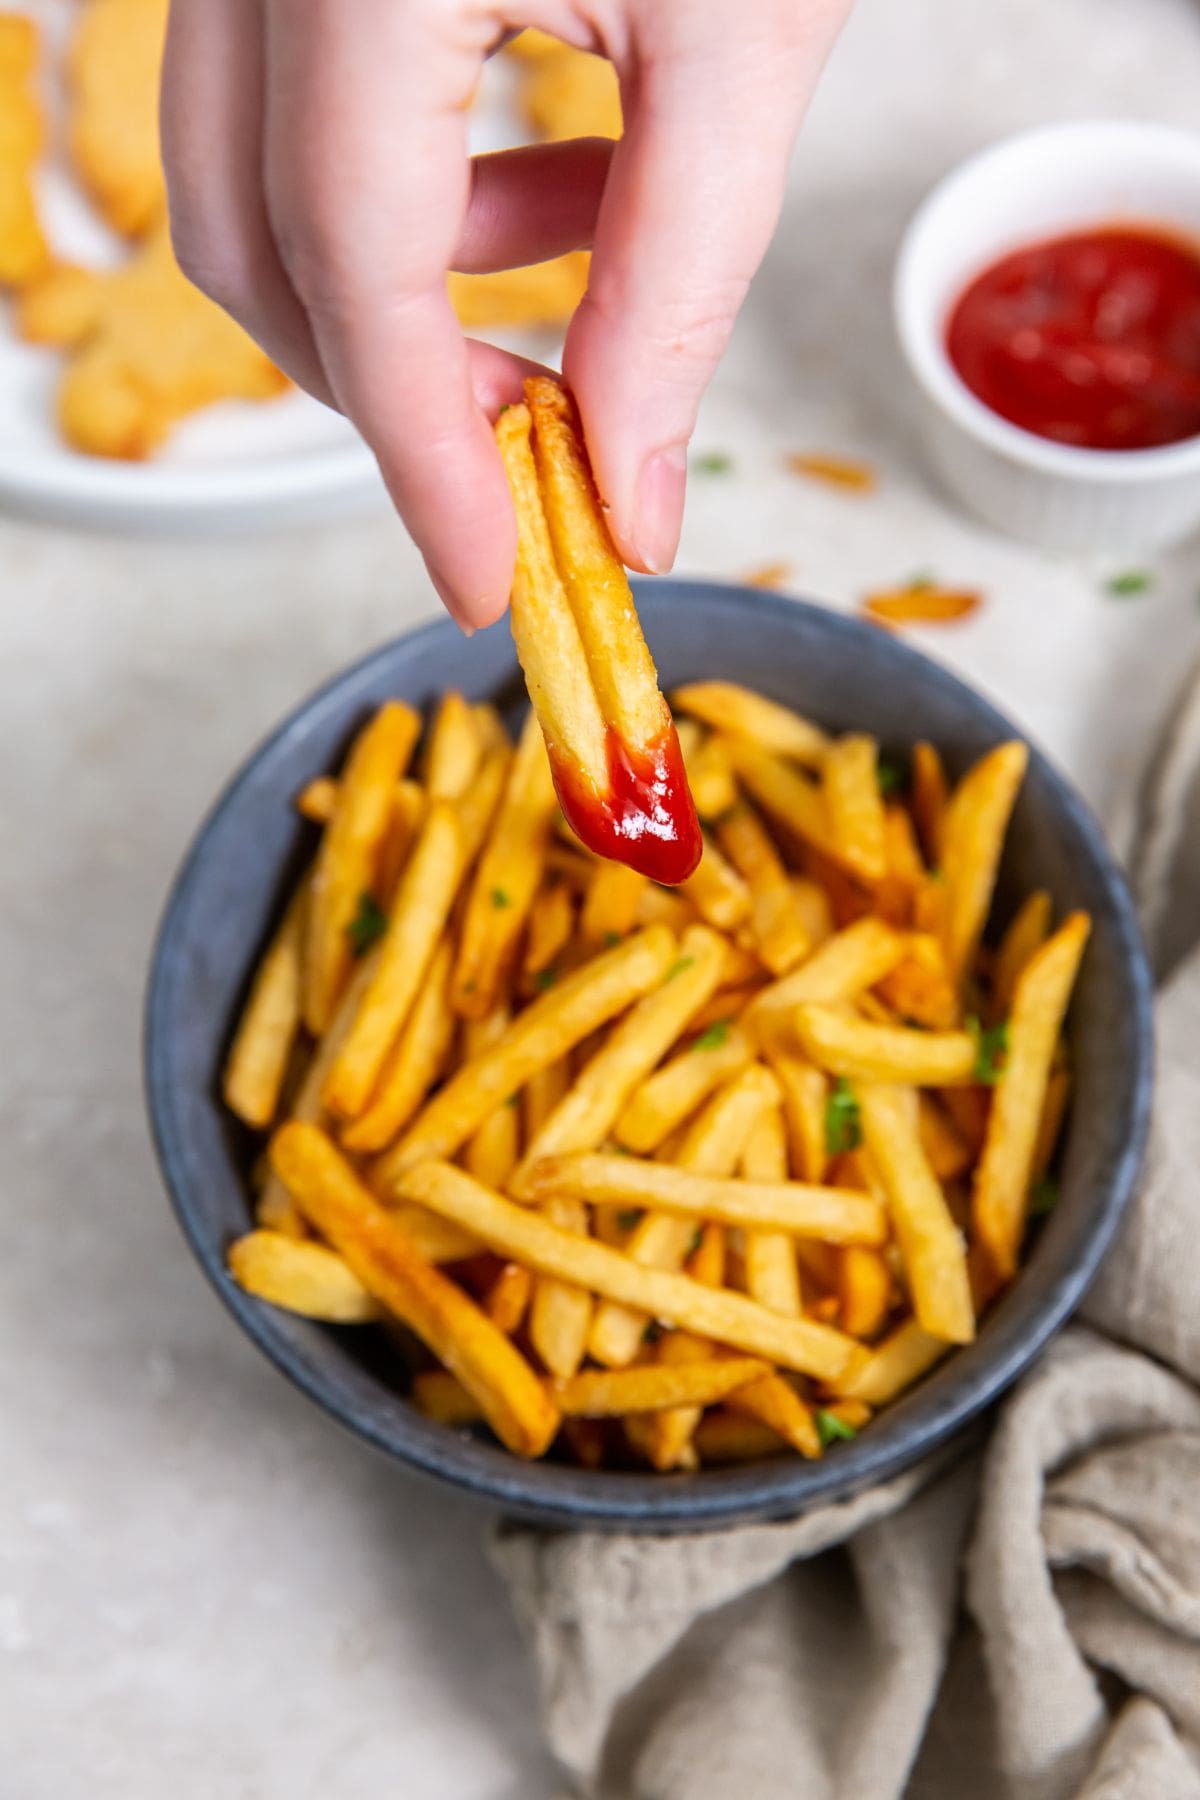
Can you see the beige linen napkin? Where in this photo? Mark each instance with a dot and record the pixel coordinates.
(1019, 1623)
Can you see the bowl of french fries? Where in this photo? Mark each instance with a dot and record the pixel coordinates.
(659, 1206)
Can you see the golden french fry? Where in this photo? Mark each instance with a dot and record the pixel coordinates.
(317, 799)
(931, 1245)
(948, 1153)
(600, 1092)
(610, 906)
(838, 471)
(545, 1031)
(345, 866)
(805, 1096)
(419, 914)
(1026, 933)
(836, 1215)
(477, 808)
(865, 1291)
(409, 802)
(772, 1276)
(723, 1437)
(854, 806)
(815, 909)
(674, 1092)
(508, 1297)
(844, 966)
(923, 603)
(1005, 1167)
(437, 1240)
(561, 1312)
(262, 1044)
(415, 1062)
(893, 1365)
(24, 251)
(920, 987)
(778, 926)
(668, 1435)
(775, 1403)
(666, 906)
(741, 713)
(567, 93)
(301, 1276)
(551, 923)
(506, 877)
(716, 889)
(709, 773)
(453, 750)
(541, 1094)
(789, 797)
(726, 1317)
(843, 1045)
(649, 1387)
(443, 1397)
(608, 731)
(929, 795)
(539, 294)
(972, 841)
(491, 1153)
(332, 1198)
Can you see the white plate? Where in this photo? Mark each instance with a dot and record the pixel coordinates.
(233, 465)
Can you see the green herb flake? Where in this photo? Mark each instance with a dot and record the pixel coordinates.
(891, 775)
(500, 899)
(545, 978)
(712, 462)
(367, 926)
(611, 939)
(991, 1051)
(504, 409)
(697, 1240)
(830, 1428)
(630, 1218)
(1128, 583)
(514, 1100)
(1044, 1197)
(843, 1122)
(924, 578)
(714, 1037)
(677, 968)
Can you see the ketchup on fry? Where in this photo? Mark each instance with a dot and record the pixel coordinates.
(647, 818)
(1091, 339)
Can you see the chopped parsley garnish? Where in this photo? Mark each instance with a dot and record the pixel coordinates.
(611, 939)
(545, 978)
(1128, 583)
(1044, 1197)
(924, 578)
(697, 1240)
(629, 1218)
(830, 1428)
(504, 409)
(843, 1122)
(677, 968)
(513, 1100)
(500, 899)
(713, 462)
(714, 1037)
(991, 1051)
(367, 926)
(891, 775)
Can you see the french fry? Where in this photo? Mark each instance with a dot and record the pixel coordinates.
(609, 733)
(866, 1291)
(814, 908)
(972, 839)
(443, 1397)
(453, 750)
(716, 889)
(262, 1044)
(546, 1030)
(931, 1245)
(674, 1092)
(587, 1113)
(929, 796)
(477, 808)
(1005, 1167)
(844, 966)
(415, 1062)
(838, 471)
(542, 1094)
(948, 1154)
(805, 1095)
(437, 1240)
(710, 775)
(772, 1277)
(668, 1435)
(789, 797)
(317, 800)
(778, 927)
(836, 1215)
(611, 904)
(921, 604)
(905, 875)
(773, 1401)
(551, 923)
(493, 734)
(561, 1312)
(409, 801)
(741, 713)
(1026, 933)
(728, 1318)
(724, 1437)
(301, 1276)
(649, 1387)
(325, 1188)
(491, 1153)
(844, 1045)
(508, 1297)
(665, 906)
(345, 864)
(920, 987)
(850, 782)
(418, 918)
(893, 1365)
(506, 878)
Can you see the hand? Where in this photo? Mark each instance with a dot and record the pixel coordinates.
(320, 189)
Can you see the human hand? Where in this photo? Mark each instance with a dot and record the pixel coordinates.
(320, 189)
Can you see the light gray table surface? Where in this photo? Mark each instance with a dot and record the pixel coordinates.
(207, 1590)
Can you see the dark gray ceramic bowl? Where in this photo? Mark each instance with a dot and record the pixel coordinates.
(843, 673)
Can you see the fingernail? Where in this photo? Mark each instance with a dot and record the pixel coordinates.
(658, 507)
(451, 602)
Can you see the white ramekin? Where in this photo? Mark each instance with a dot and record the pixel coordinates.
(1056, 179)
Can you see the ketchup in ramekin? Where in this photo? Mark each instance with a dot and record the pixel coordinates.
(1091, 339)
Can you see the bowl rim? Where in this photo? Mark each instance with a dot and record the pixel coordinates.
(563, 1496)
(921, 337)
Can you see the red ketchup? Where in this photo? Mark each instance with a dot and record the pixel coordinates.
(1091, 340)
(647, 818)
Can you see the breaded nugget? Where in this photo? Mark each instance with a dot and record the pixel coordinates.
(573, 94)
(23, 250)
(543, 294)
(113, 68)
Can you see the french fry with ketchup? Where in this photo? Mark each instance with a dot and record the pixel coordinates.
(609, 734)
